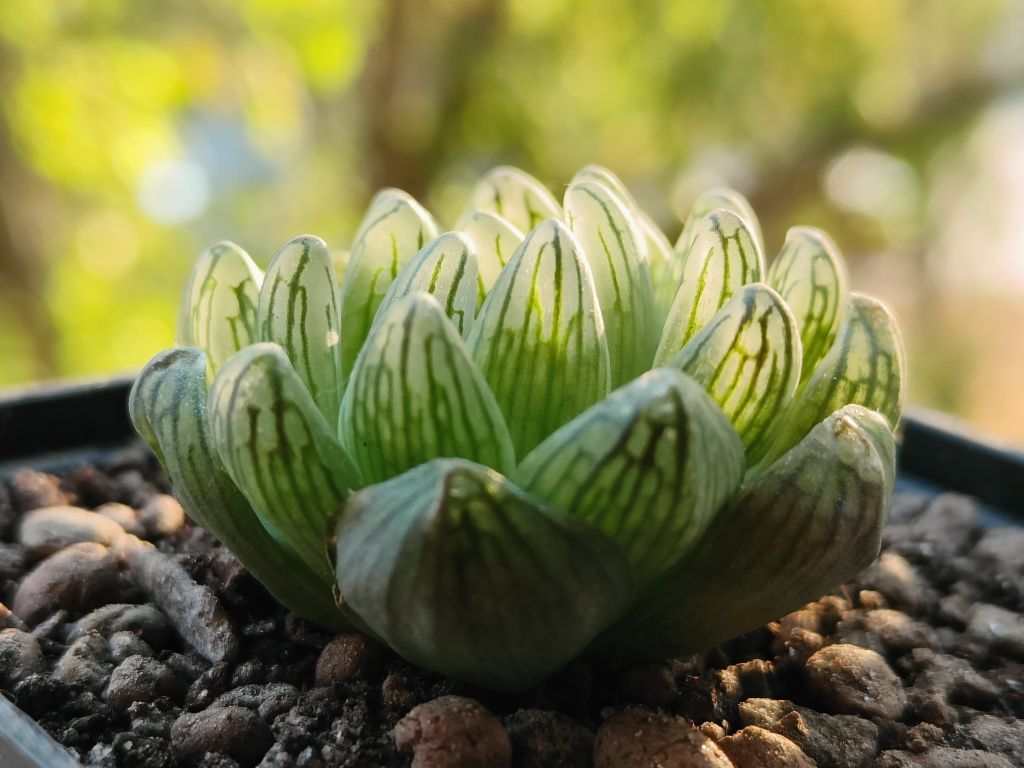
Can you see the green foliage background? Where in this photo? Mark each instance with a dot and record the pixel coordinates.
(134, 133)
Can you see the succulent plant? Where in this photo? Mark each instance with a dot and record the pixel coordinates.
(543, 434)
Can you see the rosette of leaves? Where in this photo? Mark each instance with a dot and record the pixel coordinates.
(545, 433)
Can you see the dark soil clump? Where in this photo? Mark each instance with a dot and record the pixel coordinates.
(919, 662)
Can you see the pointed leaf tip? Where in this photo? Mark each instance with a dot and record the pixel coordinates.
(515, 196)
(711, 200)
(495, 240)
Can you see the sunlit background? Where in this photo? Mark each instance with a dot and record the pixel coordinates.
(134, 133)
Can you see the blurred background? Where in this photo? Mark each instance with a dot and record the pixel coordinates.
(132, 134)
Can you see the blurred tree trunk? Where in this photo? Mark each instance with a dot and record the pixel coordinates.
(23, 268)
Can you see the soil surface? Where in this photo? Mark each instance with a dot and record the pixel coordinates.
(137, 641)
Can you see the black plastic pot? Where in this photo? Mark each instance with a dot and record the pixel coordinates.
(59, 427)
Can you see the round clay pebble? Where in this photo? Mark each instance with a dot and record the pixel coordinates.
(20, 656)
(78, 578)
(637, 738)
(121, 514)
(235, 731)
(139, 678)
(162, 515)
(50, 529)
(856, 681)
(347, 657)
(754, 747)
(453, 732)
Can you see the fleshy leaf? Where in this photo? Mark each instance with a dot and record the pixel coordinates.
(710, 201)
(810, 275)
(666, 267)
(495, 240)
(539, 337)
(168, 408)
(649, 465)
(617, 254)
(446, 268)
(748, 359)
(279, 450)
(865, 366)
(810, 522)
(514, 195)
(415, 395)
(723, 258)
(463, 573)
(394, 230)
(218, 312)
(602, 175)
(298, 309)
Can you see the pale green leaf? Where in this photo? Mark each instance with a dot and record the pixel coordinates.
(514, 195)
(617, 254)
(602, 175)
(665, 264)
(463, 573)
(539, 338)
(279, 449)
(446, 268)
(495, 240)
(298, 309)
(649, 465)
(168, 408)
(812, 521)
(218, 312)
(415, 395)
(723, 258)
(710, 201)
(394, 230)
(810, 275)
(865, 365)
(748, 359)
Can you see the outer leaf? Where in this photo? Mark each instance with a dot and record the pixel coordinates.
(864, 366)
(810, 275)
(415, 395)
(279, 450)
(812, 521)
(616, 252)
(539, 338)
(649, 465)
(218, 312)
(446, 269)
(298, 309)
(723, 258)
(168, 408)
(495, 240)
(748, 359)
(515, 196)
(461, 572)
(394, 229)
(710, 201)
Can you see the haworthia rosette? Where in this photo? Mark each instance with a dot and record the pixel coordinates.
(810, 275)
(218, 312)
(298, 309)
(710, 201)
(495, 240)
(865, 366)
(723, 258)
(415, 395)
(394, 230)
(539, 337)
(649, 465)
(617, 254)
(459, 570)
(748, 359)
(515, 196)
(168, 408)
(446, 268)
(279, 449)
(810, 522)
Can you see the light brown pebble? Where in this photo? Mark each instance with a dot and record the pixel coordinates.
(895, 578)
(234, 731)
(453, 732)
(20, 656)
(856, 681)
(121, 514)
(161, 516)
(754, 747)
(347, 657)
(637, 738)
(78, 578)
(50, 529)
